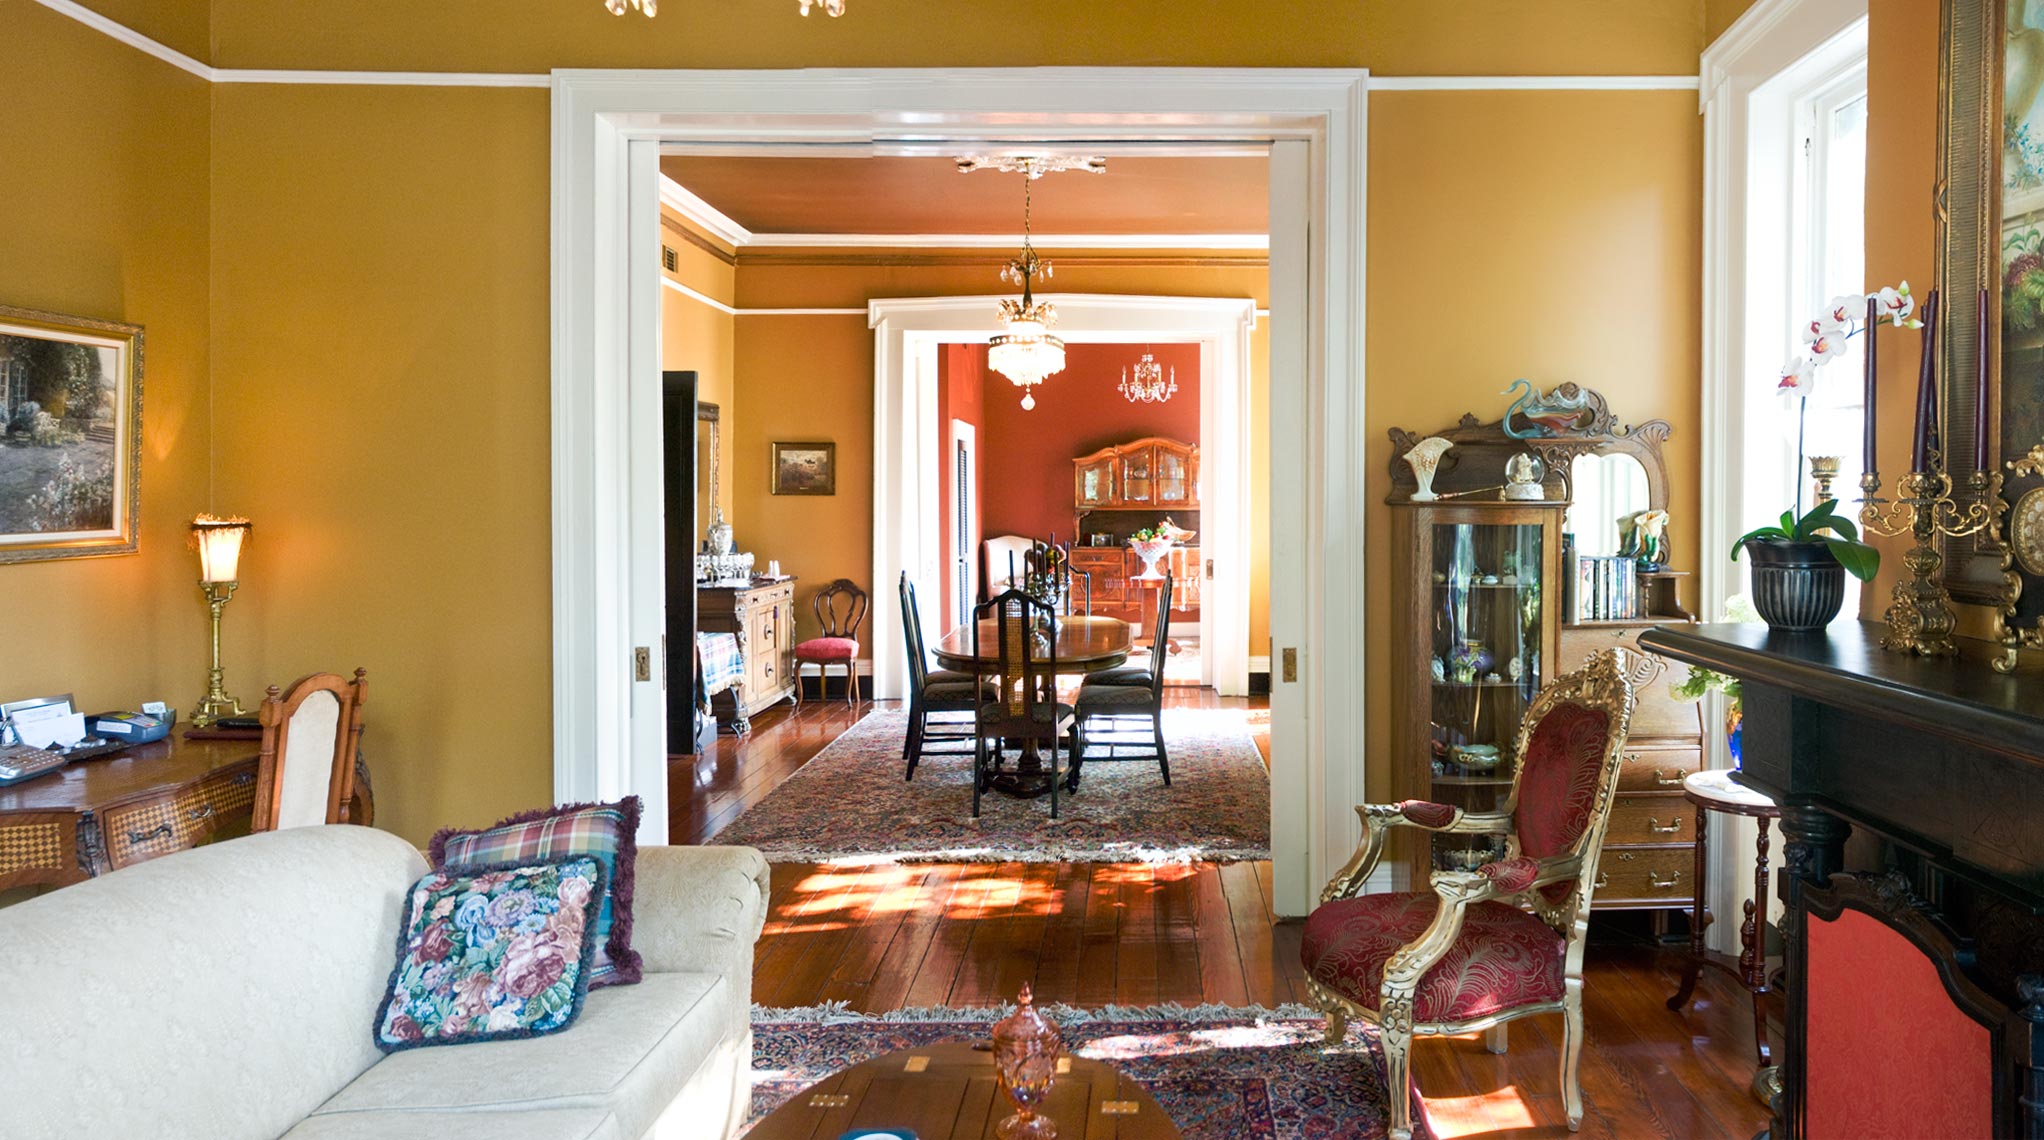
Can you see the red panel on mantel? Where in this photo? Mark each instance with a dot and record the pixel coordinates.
(1889, 1054)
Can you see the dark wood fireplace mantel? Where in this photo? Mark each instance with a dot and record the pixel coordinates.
(1912, 791)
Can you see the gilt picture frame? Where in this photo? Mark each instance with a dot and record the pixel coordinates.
(70, 436)
(804, 467)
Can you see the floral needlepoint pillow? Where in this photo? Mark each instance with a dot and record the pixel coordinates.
(492, 952)
(607, 831)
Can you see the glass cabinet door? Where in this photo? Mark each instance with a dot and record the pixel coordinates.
(1486, 622)
(1173, 482)
(1137, 477)
(1096, 483)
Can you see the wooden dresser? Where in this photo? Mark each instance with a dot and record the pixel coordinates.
(763, 616)
(1650, 846)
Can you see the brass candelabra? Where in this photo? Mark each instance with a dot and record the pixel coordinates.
(2014, 639)
(1920, 617)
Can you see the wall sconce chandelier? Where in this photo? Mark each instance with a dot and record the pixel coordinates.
(219, 542)
(1026, 352)
(1150, 384)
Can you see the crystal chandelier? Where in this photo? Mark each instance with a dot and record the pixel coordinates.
(1026, 353)
(1149, 385)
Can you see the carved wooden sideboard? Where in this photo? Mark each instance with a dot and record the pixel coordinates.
(95, 816)
(762, 614)
(1913, 877)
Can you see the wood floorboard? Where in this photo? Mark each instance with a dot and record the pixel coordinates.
(888, 936)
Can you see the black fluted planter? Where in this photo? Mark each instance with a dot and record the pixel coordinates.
(1797, 586)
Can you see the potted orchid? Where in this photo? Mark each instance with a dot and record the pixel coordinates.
(1800, 562)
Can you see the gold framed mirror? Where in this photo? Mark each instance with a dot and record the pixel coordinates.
(1990, 223)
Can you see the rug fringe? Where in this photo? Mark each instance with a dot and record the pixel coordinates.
(840, 1013)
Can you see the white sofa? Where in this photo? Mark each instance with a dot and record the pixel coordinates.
(229, 992)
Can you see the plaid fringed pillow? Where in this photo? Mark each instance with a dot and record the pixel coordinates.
(606, 831)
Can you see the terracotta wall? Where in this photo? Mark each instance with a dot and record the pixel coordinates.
(1078, 412)
(103, 214)
(379, 308)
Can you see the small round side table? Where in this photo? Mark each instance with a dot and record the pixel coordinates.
(1716, 791)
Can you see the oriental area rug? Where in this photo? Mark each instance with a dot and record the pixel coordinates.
(850, 804)
(1220, 1073)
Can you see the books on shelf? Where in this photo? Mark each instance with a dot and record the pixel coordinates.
(1600, 587)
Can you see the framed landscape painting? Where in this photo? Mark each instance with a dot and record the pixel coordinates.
(70, 435)
(805, 468)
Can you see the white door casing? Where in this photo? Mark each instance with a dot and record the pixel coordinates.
(606, 553)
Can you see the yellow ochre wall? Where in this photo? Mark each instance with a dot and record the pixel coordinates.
(103, 214)
(700, 337)
(380, 290)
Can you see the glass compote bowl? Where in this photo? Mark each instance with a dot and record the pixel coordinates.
(1026, 1050)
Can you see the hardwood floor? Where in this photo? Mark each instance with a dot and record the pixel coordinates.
(891, 936)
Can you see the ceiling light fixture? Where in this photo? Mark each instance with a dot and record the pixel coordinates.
(1026, 353)
(1034, 165)
(650, 7)
(1149, 385)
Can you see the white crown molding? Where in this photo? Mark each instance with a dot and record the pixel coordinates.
(731, 311)
(178, 59)
(704, 216)
(1233, 242)
(1532, 82)
(129, 36)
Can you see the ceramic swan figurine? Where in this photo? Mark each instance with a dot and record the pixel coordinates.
(1549, 414)
(1425, 458)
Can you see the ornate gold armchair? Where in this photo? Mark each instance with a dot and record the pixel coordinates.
(1500, 942)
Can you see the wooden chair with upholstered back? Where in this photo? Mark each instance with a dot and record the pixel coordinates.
(1482, 947)
(840, 607)
(305, 773)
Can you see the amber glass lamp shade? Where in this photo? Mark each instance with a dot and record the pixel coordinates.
(219, 542)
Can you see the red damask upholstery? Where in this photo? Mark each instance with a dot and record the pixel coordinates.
(1427, 814)
(1503, 957)
(1558, 785)
(1511, 874)
(827, 649)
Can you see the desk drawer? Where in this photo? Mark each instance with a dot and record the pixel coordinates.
(1657, 769)
(1642, 820)
(40, 847)
(174, 819)
(1627, 876)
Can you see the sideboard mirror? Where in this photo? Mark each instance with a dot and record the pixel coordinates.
(1605, 486)
(708, 470)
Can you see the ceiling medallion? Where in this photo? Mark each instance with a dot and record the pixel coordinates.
(649, 7)
(1034, 165)
(1149, 386)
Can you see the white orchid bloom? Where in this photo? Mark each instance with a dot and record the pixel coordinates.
(1798, 378)
(1820, 327)
(1897, 306)
(1825, 346)
(1843, 311)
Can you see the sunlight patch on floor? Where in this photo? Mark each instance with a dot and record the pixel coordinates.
(1453, 1116)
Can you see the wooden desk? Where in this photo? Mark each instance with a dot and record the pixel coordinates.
(95, 816)
(953, 1093)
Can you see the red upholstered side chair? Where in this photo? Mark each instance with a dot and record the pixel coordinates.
(1504, 941)
(840, 607)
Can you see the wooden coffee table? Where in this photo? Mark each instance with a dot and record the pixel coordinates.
(950, 1092)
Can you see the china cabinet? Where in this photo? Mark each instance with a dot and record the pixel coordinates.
(1143, 474)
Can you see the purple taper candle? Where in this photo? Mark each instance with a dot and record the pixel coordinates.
(1873, 323)
(1926, 388)
(1980, 393)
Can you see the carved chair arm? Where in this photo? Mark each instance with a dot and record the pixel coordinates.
(1505, 877)
(1378, 819)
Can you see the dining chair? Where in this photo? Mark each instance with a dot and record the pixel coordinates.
(839, 607)
(934, 692)
(312, 733)
(1504, 941)
(1126, 693)
(1026, 710)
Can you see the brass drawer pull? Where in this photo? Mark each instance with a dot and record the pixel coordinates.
(1663, 779)
(162, 831)
(203, 811)
(1672, 827)
(1601, 881)
(1654, 880)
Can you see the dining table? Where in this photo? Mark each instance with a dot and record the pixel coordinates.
(1084, 644)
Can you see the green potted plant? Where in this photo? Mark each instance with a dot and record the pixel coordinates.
(1702, 681)
(1800, 564)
